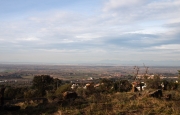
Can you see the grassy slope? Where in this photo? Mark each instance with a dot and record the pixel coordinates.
(107, 104)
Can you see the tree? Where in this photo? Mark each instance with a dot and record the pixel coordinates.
(63, 88)
(179, 74)
(106, 85)
(42, 83)
(57, 83)
(122, 86)
(166, 84)
(30, 93)
(154, 83)
(2, 96)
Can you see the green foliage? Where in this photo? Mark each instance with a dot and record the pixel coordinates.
(154, 83)
(109, 86)
(31, 93)
(172, 85)
(14, 93)
(81, 92)
(157, 77)
(42, 83)
(166, 83)
(179, 75)
(63, 88)
(122, 86)
(106, 85)
(106, 81)
(51, 96)
(56, 83)
(179, 72)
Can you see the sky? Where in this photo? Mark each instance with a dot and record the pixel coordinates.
(90, 31)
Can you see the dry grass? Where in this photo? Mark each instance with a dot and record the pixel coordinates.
(112, 104)
(128, 104)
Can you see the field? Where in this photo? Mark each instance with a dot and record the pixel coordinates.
(76, 72)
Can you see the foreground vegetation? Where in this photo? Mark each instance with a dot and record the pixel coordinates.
(105, 104)
(110, 98)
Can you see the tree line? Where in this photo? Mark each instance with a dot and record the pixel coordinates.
(47, 86)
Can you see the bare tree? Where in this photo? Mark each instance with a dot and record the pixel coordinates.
(136, 68)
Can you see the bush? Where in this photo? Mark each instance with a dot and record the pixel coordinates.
(42, 83)
(63, 88)
(122, 86)
(14, 93)
(31, 93)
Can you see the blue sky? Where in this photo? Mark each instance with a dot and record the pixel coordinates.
(90, 31)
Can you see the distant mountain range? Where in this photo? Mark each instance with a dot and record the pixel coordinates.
(107, 63)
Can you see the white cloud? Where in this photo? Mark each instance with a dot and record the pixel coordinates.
(169, 47)
(136, 26)
(114, 4)
(28, 39)
(143, 10)
(88, 37)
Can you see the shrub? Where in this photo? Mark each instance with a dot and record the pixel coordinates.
(63, 88)
(122, 86)
(42, 83)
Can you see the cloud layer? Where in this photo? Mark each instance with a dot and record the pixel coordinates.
(90, 31)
